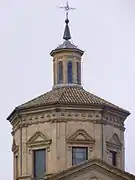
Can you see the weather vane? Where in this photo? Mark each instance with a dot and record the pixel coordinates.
(67, 8)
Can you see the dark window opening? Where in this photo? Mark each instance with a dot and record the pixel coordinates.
(79, 154)
(39, 163)
(60, 72)
(114, 157)
(78, 73)
(69, 70)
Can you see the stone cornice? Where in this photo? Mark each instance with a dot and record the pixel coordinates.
(64, 115)
(79, 107)
(24, 177)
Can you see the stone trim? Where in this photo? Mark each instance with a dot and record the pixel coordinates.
(63, 115)
(79, 138)
(15, 148)
(24, 177)
(114, 142)
(44, 142)
(89, 165)
(87, 139)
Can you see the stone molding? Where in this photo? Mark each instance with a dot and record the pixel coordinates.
(89, 165)
(80, 137)
(15, 148)
(70, 115)
(24, 177)
(114, 142)
(38, 139)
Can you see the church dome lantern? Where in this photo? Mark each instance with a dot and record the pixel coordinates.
(67, 60)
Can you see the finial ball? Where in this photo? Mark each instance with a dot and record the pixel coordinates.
(66, 21)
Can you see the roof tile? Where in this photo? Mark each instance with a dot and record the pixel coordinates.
(69, 96)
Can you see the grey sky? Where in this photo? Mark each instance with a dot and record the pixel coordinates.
(30, 29)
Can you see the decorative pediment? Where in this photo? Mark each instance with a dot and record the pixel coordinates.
(93, 169)
(38, 139)
(80, 137)
(114, 142)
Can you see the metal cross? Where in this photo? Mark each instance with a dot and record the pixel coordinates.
(67, 8)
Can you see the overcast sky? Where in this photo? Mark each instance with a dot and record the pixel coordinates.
(30, 29)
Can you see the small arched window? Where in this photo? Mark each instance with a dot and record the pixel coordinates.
(69, 71)
(60, 72)
(78, 66)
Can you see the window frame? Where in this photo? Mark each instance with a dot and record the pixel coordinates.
(79, 147)
(33, 144)
(113, 144)
(33, 161)
(113, 157)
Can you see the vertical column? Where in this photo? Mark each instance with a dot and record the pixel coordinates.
(69, 156)
(61, 142)
(52, 168)
(54, 71)
(98, 142)
(30, 162)
(79, 72)
(16, 152)
(122, 152)
(24, 152)
(15, 166)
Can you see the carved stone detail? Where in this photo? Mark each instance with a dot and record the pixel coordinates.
(69, 148)
(80, 137)
(15, 148)
(114, 142)
(94, 116)
(39, 139)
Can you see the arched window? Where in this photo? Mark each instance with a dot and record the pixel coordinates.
(78, 72)
(60, 72)
(69, 71)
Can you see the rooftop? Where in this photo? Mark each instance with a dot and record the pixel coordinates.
(69, 96)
